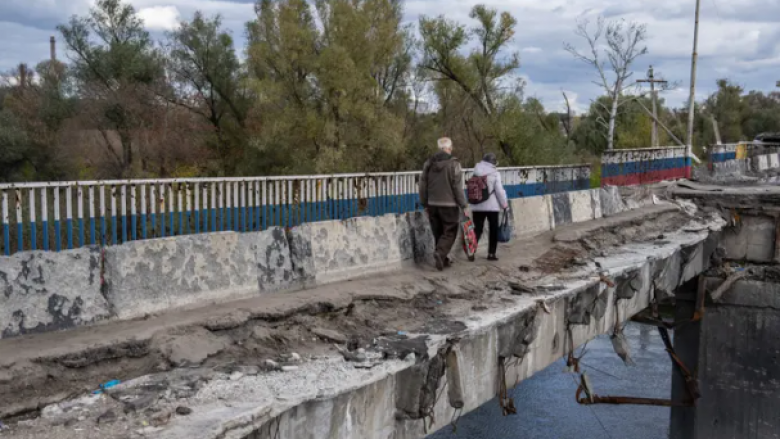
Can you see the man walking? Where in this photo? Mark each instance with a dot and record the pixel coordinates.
(441, 193)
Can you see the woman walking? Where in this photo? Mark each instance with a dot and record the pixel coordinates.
(487, 177)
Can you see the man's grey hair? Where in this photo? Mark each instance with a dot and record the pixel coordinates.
(445, 143)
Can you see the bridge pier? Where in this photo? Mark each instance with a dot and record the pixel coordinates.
(686, 345)
(736, 353)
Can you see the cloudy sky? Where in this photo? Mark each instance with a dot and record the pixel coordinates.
(739, 39)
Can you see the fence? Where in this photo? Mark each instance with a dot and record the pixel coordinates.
(65, 215)
(729, 158)
(628, 167)
(743, 157)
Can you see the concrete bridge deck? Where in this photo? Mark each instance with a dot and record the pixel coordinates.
(417, 343)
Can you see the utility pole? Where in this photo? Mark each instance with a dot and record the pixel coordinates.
(692, 98)
(651, 79)
(715, 129)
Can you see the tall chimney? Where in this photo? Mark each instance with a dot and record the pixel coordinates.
(22, 75)
(53, 48)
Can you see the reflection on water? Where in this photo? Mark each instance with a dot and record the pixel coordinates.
(546, 408)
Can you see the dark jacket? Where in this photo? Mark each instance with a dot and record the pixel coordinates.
(441, 183)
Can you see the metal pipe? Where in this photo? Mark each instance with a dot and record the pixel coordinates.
(618, 400)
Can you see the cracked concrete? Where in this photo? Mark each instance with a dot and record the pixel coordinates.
(408, 320)
(46, 291)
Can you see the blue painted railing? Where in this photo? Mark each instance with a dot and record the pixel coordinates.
(66, 215)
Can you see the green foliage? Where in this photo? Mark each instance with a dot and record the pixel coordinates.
(327, 86)
(633, 125)
(481, 97)
(595, 174)
(208, 80)
(729, 110)
(123, 51)
(328, 93)
(115, 65)
(739, 116)
(15, 151)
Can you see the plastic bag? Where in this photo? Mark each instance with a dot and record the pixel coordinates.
(469, 236)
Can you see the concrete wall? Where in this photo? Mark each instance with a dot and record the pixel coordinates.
(51, 291)
(727, 160)
(44, 291)
(753, 240)
(611, 202)
(47, 291)
(627, 167)
(743, 159)
(331, 251)
(158, 274)
(155, 275)
(534, 215)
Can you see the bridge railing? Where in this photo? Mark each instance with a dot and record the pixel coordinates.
(628, 167)
(66, 215)
(743, 156)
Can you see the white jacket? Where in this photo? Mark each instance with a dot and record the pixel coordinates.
(497, 201)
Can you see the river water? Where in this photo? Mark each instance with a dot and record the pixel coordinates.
(545, 403)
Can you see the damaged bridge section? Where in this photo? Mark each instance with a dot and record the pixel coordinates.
(463, 370)
(362, 344)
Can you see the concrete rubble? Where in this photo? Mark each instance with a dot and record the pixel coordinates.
(361, 358)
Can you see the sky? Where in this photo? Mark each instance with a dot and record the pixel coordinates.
(738, 39)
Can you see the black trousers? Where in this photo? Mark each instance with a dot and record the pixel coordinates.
(444, 224)
(479, 227)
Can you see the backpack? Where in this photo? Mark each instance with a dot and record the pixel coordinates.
(477, 189)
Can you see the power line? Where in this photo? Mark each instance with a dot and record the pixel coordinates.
(717, 10)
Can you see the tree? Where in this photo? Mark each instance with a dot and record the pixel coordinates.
(633, 125)
(116, 68)
(482, 75)
(764, 111)
(35, 112)
(209, 81)
(623, 46)
(329, 92)
(729, 109)
(567, 119)
(15, 149)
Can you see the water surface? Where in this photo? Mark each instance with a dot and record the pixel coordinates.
(545, 403)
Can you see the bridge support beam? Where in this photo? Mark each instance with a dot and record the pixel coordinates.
(736, 352)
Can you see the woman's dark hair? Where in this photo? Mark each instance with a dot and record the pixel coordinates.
(490, 158)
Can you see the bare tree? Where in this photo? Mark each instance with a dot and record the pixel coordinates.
(624, 44)
(567, 124)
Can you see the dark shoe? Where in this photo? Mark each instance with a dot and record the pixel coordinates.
(492, 258)
(439, 262)
(447, 262)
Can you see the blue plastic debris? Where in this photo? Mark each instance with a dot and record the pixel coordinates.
(108, 385)
(401, 332)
